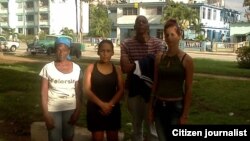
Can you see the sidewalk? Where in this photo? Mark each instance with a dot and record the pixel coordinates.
(91, 52)
(39, 133)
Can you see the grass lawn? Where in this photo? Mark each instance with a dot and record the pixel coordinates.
(215, 100)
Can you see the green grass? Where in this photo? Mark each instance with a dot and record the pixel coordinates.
(227, 68)
(213, 98)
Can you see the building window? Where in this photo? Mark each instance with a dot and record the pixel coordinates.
(204, 13)
(43, 3)
(214, 14)
(209, 14)
(30, 18)
(30, 5)
(20, 17)
(159, 10)
(44, 17)
(5, 30)
(19, 5)
(4, 5)
(221, 15)
(30, 31)
(45, 30)
(113, 10)
(4, 18)
(130, 11)
(153, 11)
(20, 30)
(159, 33)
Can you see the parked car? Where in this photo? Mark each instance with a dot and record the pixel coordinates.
(8, 45)
(47, 45)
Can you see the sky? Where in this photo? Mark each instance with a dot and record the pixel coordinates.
(236, 5)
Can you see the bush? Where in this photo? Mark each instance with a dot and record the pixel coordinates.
(243, 57)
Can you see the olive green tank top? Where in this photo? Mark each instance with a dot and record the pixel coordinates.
(171, 76)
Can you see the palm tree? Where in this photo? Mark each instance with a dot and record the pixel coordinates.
(246, 3)
(100, 24)
(185, 16)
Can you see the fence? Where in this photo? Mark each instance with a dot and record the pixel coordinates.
(212, 46)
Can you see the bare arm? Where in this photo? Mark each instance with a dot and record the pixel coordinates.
(127, 65)
(44, 96)
(44, 103)
(189, 70)
(156, 64)
(120, 90)
(77, 111)
(78, 96)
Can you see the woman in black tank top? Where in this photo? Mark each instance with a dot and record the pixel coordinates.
(172, 87)
(103, 85)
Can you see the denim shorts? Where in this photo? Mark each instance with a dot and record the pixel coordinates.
(166, 113)
(62, 130)
(171, 110)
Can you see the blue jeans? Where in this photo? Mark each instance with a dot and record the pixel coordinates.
(138, 109)
(165, 114)
(63, 130)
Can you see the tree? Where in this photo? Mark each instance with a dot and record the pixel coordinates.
(68, 32)
(100, 24)
(246, 3)
(185, 16)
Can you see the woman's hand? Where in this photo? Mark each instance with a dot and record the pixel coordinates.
(106, 108)
(49, 121)
(74, 117)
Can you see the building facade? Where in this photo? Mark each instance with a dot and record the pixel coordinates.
(215, 18)
(30, 17)
(124, 15)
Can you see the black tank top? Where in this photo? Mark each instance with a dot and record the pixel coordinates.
(171, 76)
(104, 85)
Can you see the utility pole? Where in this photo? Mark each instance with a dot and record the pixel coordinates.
(81, 21)
(76, 4)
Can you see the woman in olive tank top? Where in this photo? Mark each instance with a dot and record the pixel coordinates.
(172, 89)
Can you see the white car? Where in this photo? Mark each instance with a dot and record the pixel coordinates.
(8, 45)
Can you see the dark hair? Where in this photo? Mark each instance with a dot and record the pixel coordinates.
(173, 23)
(140, 16)
(103, 42)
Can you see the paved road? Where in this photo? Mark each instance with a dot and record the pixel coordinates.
(91, 52)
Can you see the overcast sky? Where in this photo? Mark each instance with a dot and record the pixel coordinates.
(235, 4)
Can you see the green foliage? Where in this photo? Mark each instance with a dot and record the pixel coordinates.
(42, 35)
(185, 15)
(68, 32)
(200, 37)
(243, 57)
(26, 38)
(100, 24)
(246, 3)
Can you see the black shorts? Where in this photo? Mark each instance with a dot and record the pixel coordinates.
(97, 122)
